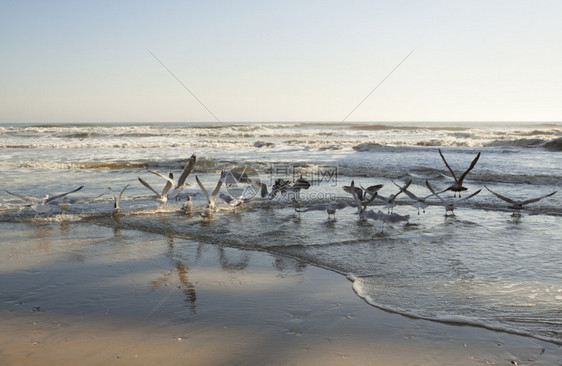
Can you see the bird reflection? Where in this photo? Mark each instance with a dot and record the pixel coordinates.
(231, 265)
(183, 283)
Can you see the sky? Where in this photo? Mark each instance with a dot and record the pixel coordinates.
(261, 61)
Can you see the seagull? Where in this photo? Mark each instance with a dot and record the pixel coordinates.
(161, 197)
(287, 190)
(208, 211)
(330, 208)
(390, 199)
(41, 205)
(449, 205)
(361, 206)
(381, 218)
(362, 192)
(181, 183)
(420, 201)
(457, 186)
(517, 205)
(187, 206)
(117, 199)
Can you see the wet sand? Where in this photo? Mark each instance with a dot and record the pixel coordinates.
(73, 293)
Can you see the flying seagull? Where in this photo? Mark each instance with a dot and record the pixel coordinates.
(208, 211)
(449, 205)
(517, 205)
(382, 218)
(41, 205)
(117, 199)
(390, 199)
(420, 202)
(161, 197)
(457, 186)
(361, 193)
(181, 183)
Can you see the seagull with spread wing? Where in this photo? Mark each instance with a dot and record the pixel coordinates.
(208, 211)
(517, 205)
(117, 199)
(457, 186)
(41, 205)
(181, 183)
(449, 205)
(170, 183)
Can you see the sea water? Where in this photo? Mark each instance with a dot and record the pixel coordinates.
(481, 266)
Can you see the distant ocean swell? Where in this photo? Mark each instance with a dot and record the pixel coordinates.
(353, 137)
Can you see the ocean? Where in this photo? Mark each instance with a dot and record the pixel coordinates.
(481, 266)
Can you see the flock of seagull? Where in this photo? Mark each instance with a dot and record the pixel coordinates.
(287, 190)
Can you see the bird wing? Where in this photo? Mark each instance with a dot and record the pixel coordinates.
(170, 180)
(472, 195)
(537, 199)
(358, 191)
(187, 170)
(217, 189)
(433, 192)
(203, 189)
(509, 200)
(355, 198)
(25, 198)
(368, 202)
(469, 168)
(402, 189)
(54, 198)
(374, 188)
(447, 165)
(411, 195)
(120, 195)
(169, 184)
(148, 186)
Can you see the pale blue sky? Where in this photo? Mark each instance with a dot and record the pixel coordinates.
(87, 61)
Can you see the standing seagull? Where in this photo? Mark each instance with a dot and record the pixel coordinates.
(187, 206)
(161, 197)
(116, 200)
(457, 186)
(449, 205)
(208, 211)
(517, 205)
(41, 205)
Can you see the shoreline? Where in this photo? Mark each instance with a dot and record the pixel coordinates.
(90, 295)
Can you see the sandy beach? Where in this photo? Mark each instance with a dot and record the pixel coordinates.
(81, 294)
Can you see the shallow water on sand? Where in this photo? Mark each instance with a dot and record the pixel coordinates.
(481, 266)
